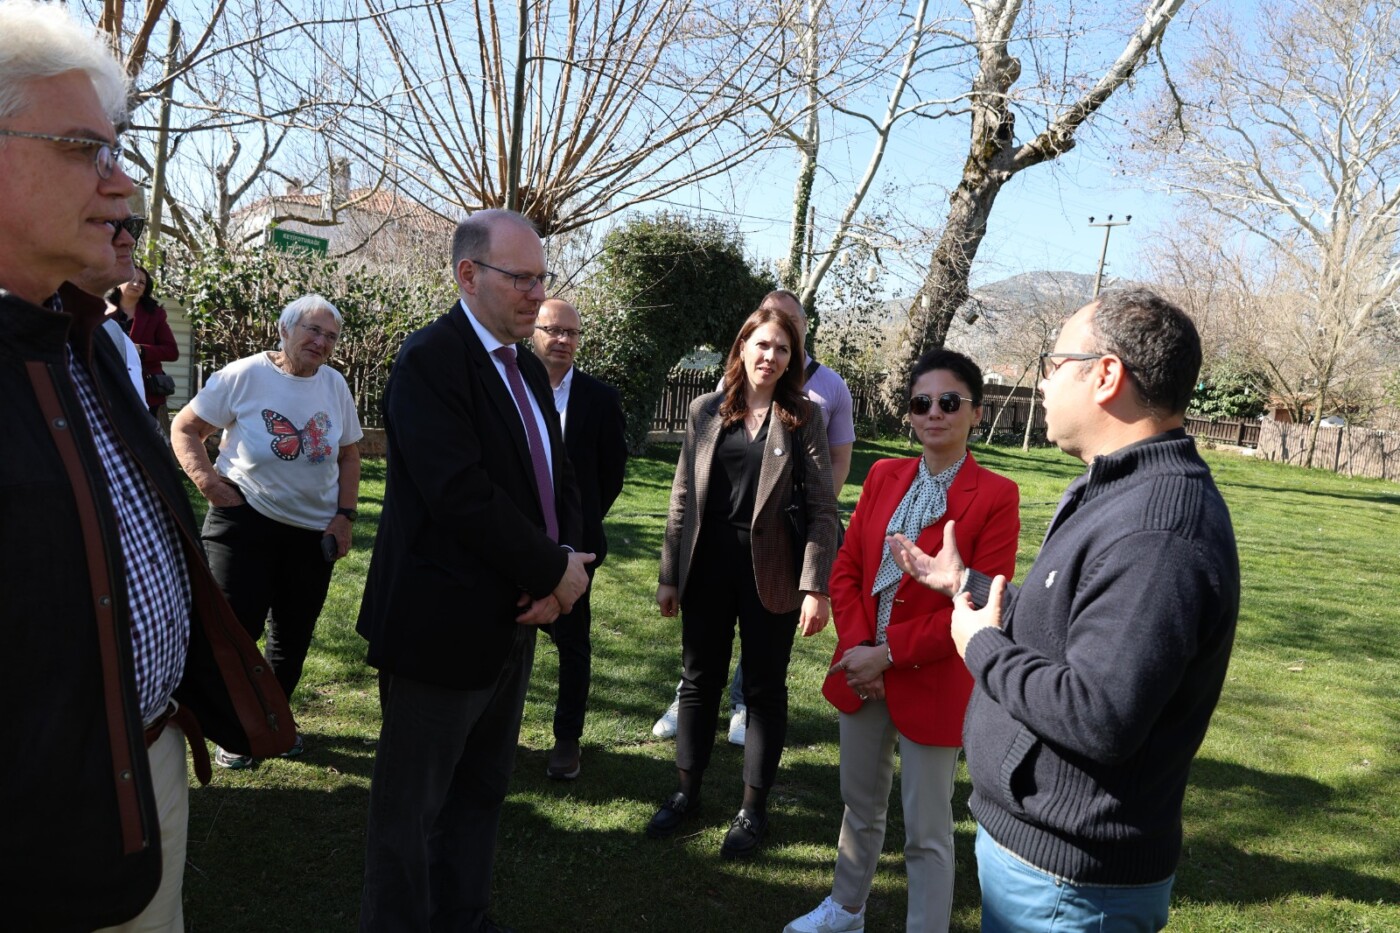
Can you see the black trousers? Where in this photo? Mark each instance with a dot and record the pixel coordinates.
(572, 636)
(441, 773)
(720, 589)
(273, 575)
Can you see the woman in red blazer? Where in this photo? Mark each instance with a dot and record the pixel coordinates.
(144, 321)
(895, 676)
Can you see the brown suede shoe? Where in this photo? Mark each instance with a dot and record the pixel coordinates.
(564, 760)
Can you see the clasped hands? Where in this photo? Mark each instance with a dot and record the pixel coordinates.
(571, 586)
(865, 667)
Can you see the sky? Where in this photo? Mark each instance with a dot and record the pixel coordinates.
(1039, 222)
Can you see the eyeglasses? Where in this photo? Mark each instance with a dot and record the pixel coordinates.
(132, 225)
(949, 402)
(105, 155)
(327, 335)
(524, 282)
(1048, 367)
(559, 333)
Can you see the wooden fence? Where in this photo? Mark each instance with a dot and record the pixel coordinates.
(674, 403)
(1346, 450)
(1239, 432)
(1353, 451)
(670, 412)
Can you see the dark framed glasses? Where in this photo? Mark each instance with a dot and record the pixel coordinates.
(1050, 362)
(523, 281)
(133, 225)
(949, 402)
(559, 333)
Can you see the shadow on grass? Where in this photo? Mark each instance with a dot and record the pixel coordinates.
(1379, 497)
(1252, 810)
(596, 850)
(266, 858)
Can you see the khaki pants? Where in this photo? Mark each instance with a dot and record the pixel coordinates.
(868, 740)
(165, 913)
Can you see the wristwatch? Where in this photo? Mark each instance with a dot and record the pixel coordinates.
(347, 512)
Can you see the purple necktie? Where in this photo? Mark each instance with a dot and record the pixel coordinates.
(532, 432)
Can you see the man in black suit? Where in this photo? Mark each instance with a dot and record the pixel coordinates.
(472, 555)
(590, 412)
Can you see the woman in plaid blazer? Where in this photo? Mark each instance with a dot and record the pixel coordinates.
(895, 676)
(730, 553)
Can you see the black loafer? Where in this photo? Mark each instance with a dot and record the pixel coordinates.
(745, 835)
(672, 813)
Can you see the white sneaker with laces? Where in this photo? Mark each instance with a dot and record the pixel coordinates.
(738, 725)
(665, 727)
(828, 917)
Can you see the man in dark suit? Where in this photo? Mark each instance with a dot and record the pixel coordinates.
(594, 433)
(472, 555)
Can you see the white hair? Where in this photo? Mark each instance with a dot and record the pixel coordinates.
(294, 312)
(42, 40)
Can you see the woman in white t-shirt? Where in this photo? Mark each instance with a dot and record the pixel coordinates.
(282, 494)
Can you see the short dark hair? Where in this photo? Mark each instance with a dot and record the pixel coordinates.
(790, 296)
(966, 371)
(472, 238)
(1156, 341)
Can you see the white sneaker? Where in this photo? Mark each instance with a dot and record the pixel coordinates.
(665, 727)
(738, 725)
(829, 917)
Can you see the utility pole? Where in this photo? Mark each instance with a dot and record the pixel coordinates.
(162, 148)
(1108, 226)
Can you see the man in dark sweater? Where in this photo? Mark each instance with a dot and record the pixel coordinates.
(1097, 677)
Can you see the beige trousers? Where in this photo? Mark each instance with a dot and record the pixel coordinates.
(868, 739)
(166, 913)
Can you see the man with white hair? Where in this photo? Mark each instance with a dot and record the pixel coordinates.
(120, 642)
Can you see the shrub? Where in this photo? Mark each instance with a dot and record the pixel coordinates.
(233, 298)
(1230, 387)
(666, 285)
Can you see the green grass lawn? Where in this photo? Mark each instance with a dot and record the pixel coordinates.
(1292, 817)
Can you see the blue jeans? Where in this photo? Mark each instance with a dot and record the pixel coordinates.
(1018, 897)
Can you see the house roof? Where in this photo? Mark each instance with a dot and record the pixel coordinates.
(373, 201)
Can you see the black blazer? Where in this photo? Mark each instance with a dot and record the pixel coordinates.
(462, 533)
(595, 434)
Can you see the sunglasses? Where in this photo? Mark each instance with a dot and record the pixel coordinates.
(132, 225)
(948, 401)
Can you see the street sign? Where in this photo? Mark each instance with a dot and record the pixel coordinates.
(291, 241)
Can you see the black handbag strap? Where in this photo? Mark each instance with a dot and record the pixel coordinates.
(812, 368)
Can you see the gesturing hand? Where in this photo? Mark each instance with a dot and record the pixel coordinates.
(968, 621)
(941, 572)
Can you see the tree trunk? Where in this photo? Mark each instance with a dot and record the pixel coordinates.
(994, 157)
(945, 285)
(801, 216)
(1316, 425)
(1011, 398)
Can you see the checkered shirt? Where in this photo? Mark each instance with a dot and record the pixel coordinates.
(157, 580)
